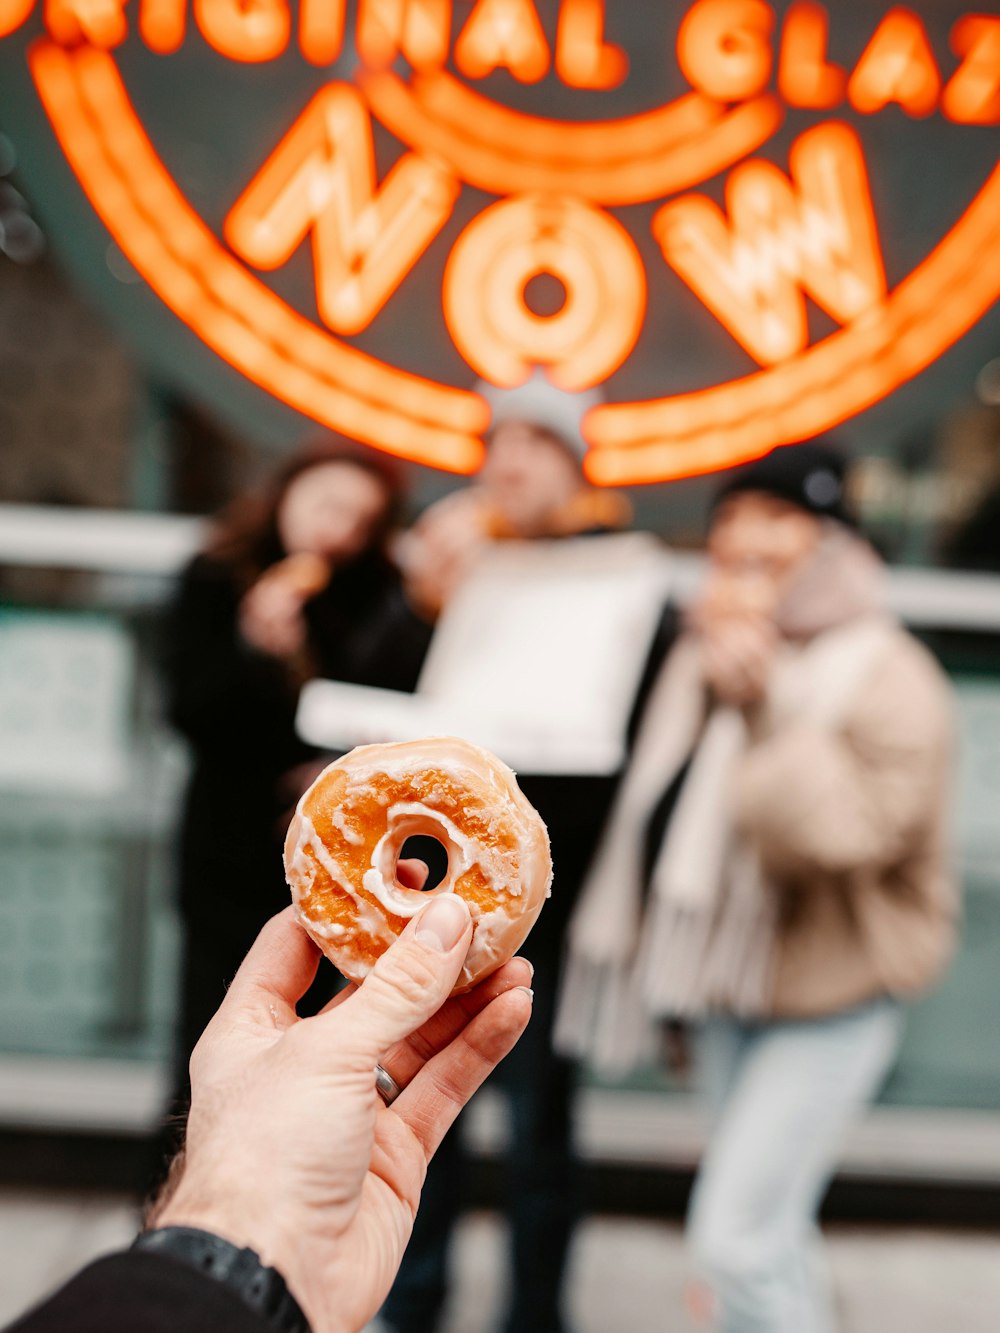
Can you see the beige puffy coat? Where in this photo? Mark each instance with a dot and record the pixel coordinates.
(852, 829)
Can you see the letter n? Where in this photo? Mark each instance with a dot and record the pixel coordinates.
(320, 181)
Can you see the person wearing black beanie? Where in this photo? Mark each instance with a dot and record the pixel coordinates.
(811, 476)
(774, 873)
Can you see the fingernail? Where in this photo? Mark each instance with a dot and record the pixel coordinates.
(528, 991)
(442, 923)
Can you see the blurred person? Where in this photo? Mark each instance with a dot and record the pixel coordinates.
(971, 449)
(294, 583)
(775, 871)
(292, 1202)
(531, 486)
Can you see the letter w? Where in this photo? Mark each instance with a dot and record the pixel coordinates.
(321, 180)
(784, 239)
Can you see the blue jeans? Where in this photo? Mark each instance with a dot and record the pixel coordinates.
(783, 1095)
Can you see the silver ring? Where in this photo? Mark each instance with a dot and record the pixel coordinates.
(386, 1086)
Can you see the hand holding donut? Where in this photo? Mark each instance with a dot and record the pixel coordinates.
(291, 1152)
(738, 653)
(437, 554)
(351, 826)
(270, 614)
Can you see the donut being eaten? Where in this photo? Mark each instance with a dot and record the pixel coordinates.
(349, 829)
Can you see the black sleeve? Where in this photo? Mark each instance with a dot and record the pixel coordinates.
(220, 690)
(128, 1292)
(363, 631)
(392, 648)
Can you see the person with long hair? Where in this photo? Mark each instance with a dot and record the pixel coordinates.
(293, 583)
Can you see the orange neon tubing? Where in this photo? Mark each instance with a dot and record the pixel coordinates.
(230, 310)
(250, 327)
(715, 428)
(626, 161)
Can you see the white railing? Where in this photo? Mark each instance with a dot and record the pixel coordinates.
(106, 541)
(120, 542)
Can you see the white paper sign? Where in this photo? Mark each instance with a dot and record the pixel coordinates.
(538, 657)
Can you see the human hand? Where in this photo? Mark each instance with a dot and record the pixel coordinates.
(290, 1150)
(746, 589)
(439, 551)
(738, 654)
(271, 615)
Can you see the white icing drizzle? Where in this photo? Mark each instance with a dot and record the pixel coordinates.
(369, 919)
(330, 930)
(403, 819)
(351, 835)
(490, 927)
(302, 867)
(403, 765)
(457, 762)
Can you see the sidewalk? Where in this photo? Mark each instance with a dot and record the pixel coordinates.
(627, 1275)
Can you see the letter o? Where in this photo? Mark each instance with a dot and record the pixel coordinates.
(724, 48)
(512, 242)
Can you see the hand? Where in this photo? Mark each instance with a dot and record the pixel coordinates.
(290, 1150)
(438, 553)
(271, 615)
(738, 656)
(747, 589)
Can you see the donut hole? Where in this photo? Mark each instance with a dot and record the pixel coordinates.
(433, 853)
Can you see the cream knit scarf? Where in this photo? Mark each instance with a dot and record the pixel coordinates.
(705, 939)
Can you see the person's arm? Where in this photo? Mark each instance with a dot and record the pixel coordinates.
(386, 644)
(290, 1152)
(125, 1292)
(843, 800)
(220, 689)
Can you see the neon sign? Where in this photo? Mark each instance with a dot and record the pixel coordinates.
(788, 234)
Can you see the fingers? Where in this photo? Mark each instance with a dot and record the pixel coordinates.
(439, 1091)
(271, 615)
(411, 873)
(408, 1057)
(410, 981)
(279, 968)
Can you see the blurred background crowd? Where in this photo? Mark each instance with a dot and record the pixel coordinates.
(798, 837)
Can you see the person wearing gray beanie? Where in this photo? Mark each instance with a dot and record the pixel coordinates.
(531, 489)
(560, 412)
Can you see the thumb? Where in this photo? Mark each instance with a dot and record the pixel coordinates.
(412, 979)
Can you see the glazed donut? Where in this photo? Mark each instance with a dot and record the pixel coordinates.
(306, 572)
(350, 826)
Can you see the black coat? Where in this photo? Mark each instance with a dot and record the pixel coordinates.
(128, 1292)
(236, 706)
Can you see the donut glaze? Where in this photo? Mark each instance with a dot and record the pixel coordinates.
(348, 830)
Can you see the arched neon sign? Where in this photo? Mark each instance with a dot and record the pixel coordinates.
(804, 230)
